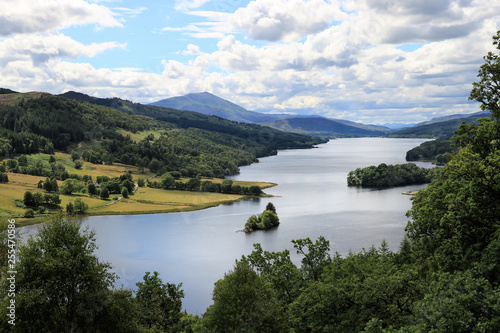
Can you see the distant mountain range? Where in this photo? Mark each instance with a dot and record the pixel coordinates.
(209, 104)
(440, 127)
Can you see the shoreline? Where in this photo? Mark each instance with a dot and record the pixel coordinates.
(22, 222)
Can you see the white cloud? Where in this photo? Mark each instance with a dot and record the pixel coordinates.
(42, 47)
(189, 4)
(28, 16)
(286, 20)
(192, 50)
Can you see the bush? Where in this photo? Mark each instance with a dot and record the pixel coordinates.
(29, 213)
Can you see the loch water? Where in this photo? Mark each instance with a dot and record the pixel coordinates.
(312, 199)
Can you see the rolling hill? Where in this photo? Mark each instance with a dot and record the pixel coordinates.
(324, 127)
(438, 128)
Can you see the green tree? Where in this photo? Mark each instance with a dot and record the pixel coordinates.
(154, 165)
(487, 90)
(124, 192)
(278, 269)
(316, 255)
(78, 164)
(270, 206)
(92, 189)
(167, 181)
(75, 156)
(28, 199)
(141, 182)
(458, 303)
(104, 193)
(61, 285)
(456, 217)
(70, 209)
(50, 184)
(159, 303)
(70, 186)
(244, 302)
(80, 207)
(193, 184)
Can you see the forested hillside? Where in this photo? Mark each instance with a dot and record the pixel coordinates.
(194, 143)
(324, 127)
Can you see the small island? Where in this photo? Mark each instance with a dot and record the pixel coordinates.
(391, 175)
(265, 221)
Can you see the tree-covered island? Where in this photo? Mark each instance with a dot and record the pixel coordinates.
(385, 175)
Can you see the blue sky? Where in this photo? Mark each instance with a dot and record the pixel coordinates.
(373, 61)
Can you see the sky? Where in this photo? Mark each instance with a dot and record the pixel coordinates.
(371, 61)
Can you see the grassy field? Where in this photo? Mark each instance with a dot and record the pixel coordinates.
(144, 201)
(149, 200)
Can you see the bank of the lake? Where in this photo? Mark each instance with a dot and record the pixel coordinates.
(144, 201)
(312, 199)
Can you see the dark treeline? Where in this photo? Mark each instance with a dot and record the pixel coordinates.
(391, 175)
(168, 182)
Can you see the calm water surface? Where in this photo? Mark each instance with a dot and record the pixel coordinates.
(312, 199)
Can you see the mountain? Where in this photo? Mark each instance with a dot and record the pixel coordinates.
(455, 116)
(397, 126)
(210, 104)
(324, 127)
(439, 129)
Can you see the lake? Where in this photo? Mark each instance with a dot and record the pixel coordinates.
(312, 200)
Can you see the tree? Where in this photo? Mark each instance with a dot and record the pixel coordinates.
(70, 209)
(78, 164)
(167, 181)
(124, 192)
(61, 285)
(92, 189)
(456, 217)
(104, 193)
(316, 255)
(270, 206)
(154, 165)
(80, 206)
(193, 184)
(50, 184)
(75, 156)
(487, 90)
(71, 185)
(141, 182)
(159, 303)
(460, 302)
(244, 302)
(28, 199)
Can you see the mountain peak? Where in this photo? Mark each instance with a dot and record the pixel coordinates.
(210, 104)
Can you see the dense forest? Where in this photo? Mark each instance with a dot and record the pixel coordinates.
(385, 175)
(445, 277)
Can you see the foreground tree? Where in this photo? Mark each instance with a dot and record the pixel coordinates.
(456, 218)
(61, 285)
(244, 302)
(159, 303)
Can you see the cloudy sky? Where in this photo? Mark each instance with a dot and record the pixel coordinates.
(374, 61)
